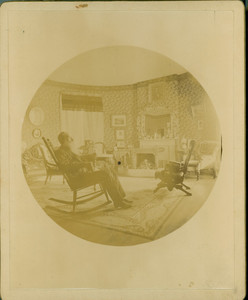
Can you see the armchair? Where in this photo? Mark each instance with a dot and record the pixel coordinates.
(210, 155)
(32, 159)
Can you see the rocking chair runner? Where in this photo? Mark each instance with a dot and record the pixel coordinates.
(75, 188)
(173, 174)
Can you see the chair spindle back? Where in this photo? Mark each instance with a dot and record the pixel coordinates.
(187, 159)
(50, 148)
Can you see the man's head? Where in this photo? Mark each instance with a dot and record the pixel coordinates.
(65, 139)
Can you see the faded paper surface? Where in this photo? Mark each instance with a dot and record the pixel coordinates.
(204, 258)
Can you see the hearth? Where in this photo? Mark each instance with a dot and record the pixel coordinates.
(144, 158)
(145, 161)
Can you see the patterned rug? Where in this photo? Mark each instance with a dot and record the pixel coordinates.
(145, 218)
(148, 218)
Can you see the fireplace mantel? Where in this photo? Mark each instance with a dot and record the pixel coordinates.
(163, 150)
(156, 111)
(145, 143)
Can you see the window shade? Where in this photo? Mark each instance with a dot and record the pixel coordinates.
(85, 103)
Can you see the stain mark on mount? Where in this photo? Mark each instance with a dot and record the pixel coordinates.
(81, 5)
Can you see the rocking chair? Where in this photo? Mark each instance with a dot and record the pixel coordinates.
(51, 168)
(173, 174)
(75, 188)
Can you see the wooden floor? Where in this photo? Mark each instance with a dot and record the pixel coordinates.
(181, 210)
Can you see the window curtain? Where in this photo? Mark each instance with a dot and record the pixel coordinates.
(82, 125)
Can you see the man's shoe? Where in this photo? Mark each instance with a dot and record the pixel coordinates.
(127, 201)
(122, 205)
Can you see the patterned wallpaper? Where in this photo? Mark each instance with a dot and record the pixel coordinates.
(47, 98)
(115, 101)
(122, 102)
(160, 95)
(176, 94)
(191, 93)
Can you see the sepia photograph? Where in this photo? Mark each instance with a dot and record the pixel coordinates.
(104, 189)
(122, 150)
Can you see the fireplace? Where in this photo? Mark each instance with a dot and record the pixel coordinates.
(157, 129)
(154, 152)
(145, 161)
(144, 158)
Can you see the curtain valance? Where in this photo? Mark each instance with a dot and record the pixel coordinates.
(82, 102)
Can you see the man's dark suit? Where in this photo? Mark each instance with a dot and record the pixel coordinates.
(79, 170)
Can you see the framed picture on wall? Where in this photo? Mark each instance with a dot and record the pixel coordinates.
(120, 134)
(36, 116)
(118, 120)
(36, 133)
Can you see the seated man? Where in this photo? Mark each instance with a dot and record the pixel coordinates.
(78, 169)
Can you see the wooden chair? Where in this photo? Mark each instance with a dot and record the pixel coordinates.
(75, 188)
(194, 162)
(173, 174)
(51, 168)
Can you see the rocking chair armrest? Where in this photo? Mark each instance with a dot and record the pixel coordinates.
(51, 165)
(88, 165)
